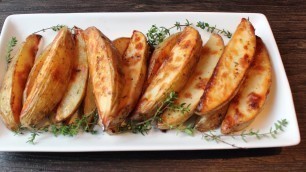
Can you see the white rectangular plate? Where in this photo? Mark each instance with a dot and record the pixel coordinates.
(278, 106)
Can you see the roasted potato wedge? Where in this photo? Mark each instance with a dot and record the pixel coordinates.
(11, 92)
(34, 71)
(89, 104)
(52, 80)
(134, 65)
(194, 88)
(121, 44)
(211, 121)
(230, 70)
(173, 74)
(105, 74)
(252, 95)
(77, 85)
(160, 55)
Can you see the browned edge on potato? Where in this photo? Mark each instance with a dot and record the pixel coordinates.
(194, 88)
(134, 67)
(51, 82)
(159, 56)
(252, 95)
(230, 70)
(105, 74)
(172, 75)
(39, 61)
(11, 92)
(76, 89)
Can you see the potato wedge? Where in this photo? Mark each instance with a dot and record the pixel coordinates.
(52, 80)
(173, 74)
(14, 82)
(134, 66)
(160, 55)
(211, 121)
(34, 72)
(230, 70)
(105, 74)
(252, 95)
(89, 104)
(121, 44)
(195, 86)
(76, 89)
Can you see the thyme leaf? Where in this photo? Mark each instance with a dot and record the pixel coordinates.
(211, 29)
(145, 126)
(157, 34)
(54, 28)
(244, 135)
(10, 47)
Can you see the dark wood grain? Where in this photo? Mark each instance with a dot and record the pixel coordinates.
(288, 22)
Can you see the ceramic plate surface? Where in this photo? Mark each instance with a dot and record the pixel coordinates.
(278, 106)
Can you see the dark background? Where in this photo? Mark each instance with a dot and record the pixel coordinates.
(288, 22)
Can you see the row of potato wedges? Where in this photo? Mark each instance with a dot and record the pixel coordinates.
(224, 86)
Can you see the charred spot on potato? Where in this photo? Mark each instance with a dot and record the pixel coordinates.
(202, 83)
(139, 46)
(188, 95)
(254, 100)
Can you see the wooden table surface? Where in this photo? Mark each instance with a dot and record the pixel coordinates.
(288, 22)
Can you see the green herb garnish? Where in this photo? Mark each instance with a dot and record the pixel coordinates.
(157, 34)
(145, 126)
(10, 46)
(54, 28)
(278, 127)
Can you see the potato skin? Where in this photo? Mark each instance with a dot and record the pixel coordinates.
(212, 120)
(134, 66)
(35, 71)
(75, 91)
(250, 99)
(121, 44)
(230, 70)
(173, 73)
(89, 104)
(11, 92)
(194, 88)
(103, 60)
(52, 80)
(160, 55)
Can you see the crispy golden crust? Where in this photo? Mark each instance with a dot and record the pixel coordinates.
(11, 92)
(230, 70)
(173, 74)
(34, 71)
(160, 55)
(103, 60)
(195, 86)
(51, 82)
(75, 91)
(134, 66)
(253, 92)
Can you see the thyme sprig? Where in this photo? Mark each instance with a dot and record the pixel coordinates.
(157, 34)
(32, 138)
(278, 127)
(145, 126)
(10, 47)
(54, 28)
(211, 29)
(80, 125)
